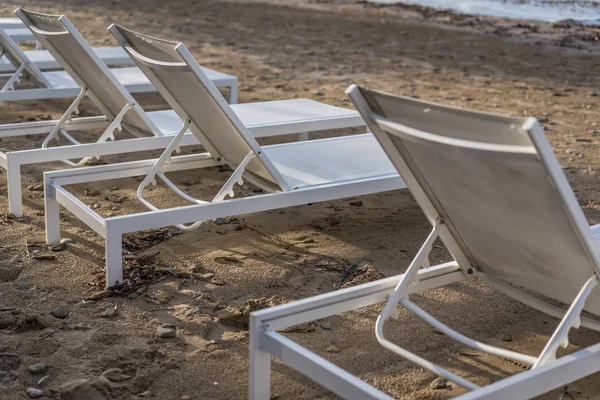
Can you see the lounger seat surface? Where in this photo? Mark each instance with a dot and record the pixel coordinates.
(326, 161)
(130, 77)
(264, 114)
(44, 60)
(20, 34)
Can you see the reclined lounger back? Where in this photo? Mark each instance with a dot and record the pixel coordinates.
(498, 188)
(185, 87)
(78, 59)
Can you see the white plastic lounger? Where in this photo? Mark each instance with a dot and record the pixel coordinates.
(152, 129)
(43, 59)
(52, 30)
(498, 199)
(292, 173)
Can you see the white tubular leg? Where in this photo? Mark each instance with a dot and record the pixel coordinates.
(73, 108)
(15, 78)
(560, 337)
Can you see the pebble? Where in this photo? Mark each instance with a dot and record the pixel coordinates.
(327, 325)
(166, 331)
(174, 231)
(334, 221)
(132, 296)
(115, 375)
(198, 268)
(34, 393)
(60, 312)
(217, 281)
(308, 240)
(438, 383)
(333, 349)
(356, 203)
(23, 285)
(37, 368)
(505, 337)
(222, 221)
(109, 312)
(16, 259)
(207, 276)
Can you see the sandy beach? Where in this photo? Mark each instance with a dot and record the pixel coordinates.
(282, 49)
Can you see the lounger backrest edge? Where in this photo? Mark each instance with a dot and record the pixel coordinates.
(498, 188)
(17, 57)
(187, 89)
(78, 59)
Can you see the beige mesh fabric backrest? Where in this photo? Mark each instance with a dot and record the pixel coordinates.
(498, 188)
(76, 56)
(183, 84)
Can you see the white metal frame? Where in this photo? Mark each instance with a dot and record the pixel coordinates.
(112, 229)
(546, 371)
(228, 81)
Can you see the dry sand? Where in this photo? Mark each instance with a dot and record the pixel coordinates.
(282, 50)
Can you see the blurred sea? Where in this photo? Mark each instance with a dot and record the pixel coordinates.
(584, 11)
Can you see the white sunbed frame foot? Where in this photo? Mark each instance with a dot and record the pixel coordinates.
(546, 373)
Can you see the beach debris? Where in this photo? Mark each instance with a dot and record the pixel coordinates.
(166, 331)
(38, 368)
(362, 275)
(34, 393)
(505, 337)
(36, 187)
(109, 312)
(88, 389)
(326, 325)
(60, 312)
(240, 316)
(438, 383)
(207, 276)
(333, 349)
(115, 375)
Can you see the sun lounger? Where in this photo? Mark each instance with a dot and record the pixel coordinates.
(497, 198)
(43, 59)
(152, 128)
(52, 30)
(291, 174)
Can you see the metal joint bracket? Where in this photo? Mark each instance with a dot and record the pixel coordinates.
(572, 319)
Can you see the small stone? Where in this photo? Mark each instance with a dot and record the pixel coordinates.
(166, 331)
(505, 337)
(308, 240)
(222, 221)
(37, 368)
(356, 203)
(207, 276)
(217, 281)
(38, 187)
(60, 312)
(115, 199)
(115, 375)
(95, 206)
(88, 192)
(132, 296)
(239, 228)
(198, 268)
(438, 383)
(333, 349)
(34, 393)
(109, 312)
(23, 285)
(61, 246)
(16, 259)
(326, 325)
(334, 221)
(174, 231)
